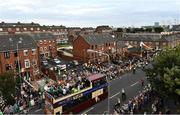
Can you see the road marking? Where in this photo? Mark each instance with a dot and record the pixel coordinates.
(134, 83)
(87, 111)
(38, 110)
(114, 95)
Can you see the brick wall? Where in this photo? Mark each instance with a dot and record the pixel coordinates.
(22, 58)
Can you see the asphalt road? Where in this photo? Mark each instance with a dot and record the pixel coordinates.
(132, 85)
(130, 82)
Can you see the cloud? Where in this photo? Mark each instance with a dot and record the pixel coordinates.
(89, 12)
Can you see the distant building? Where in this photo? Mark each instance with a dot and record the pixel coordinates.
(175, 27)
(60, 32)
(104, 29)
(152, 40)
(156, 24)
(104, 43)
(87, 30)
(19, 27)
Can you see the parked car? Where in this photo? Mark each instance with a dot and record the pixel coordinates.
(45, 63)
(62, 66)
(57, 61)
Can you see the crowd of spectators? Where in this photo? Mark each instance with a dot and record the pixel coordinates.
(25, 100)
(146, 102)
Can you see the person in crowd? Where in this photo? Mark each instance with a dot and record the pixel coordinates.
(142, 82)
(123, 94)
(134, 70)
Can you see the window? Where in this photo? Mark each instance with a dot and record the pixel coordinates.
(34, 62)
(8, 67)
(9, 29)
(1, 29)
(38, 29)
(96, 46)
(45, 49)
(33, 51)
(92, 47)
(157, 43)
(106, 44)
(25, 52)
(7, 54)
(164, 43)
(17, 29)
(41, 49)
(32, 29)
(25, 29)
(15, 53)
(50, 47)
(27, 63)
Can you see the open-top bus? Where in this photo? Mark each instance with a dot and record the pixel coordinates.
(95, 91)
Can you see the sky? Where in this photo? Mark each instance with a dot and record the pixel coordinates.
(91, 13)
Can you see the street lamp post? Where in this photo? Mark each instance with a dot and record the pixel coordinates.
(90, 50)
(19, 68)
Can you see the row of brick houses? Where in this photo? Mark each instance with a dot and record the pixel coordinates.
(60, 32)
(153, 40)
(103, 43)
(27, 48)
(113, 46)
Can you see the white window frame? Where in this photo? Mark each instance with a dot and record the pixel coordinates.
(25, 52)
(27, 63)
(17, 29)
(33, 51)
(25, 29)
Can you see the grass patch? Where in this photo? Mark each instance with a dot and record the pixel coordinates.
(63, 45)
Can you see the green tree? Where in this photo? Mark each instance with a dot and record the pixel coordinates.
(148, 29)
(7, 87)
(128, 30)
(158, 29)
(119, 29)
(164, 76)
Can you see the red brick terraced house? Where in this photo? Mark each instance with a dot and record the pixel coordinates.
(152, 40)
(104, 43)
(19, 52)
(46, 42)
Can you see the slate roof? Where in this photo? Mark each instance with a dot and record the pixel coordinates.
(148, 37)
(121, 44)
(140, 37)
(3, 24)
(9, 42)
(42, 36)
(98, 39)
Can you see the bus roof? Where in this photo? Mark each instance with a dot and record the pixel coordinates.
(95, 77)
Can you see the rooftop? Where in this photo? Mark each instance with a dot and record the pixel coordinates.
(98, 39)
(9, 42)
(42, 36)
